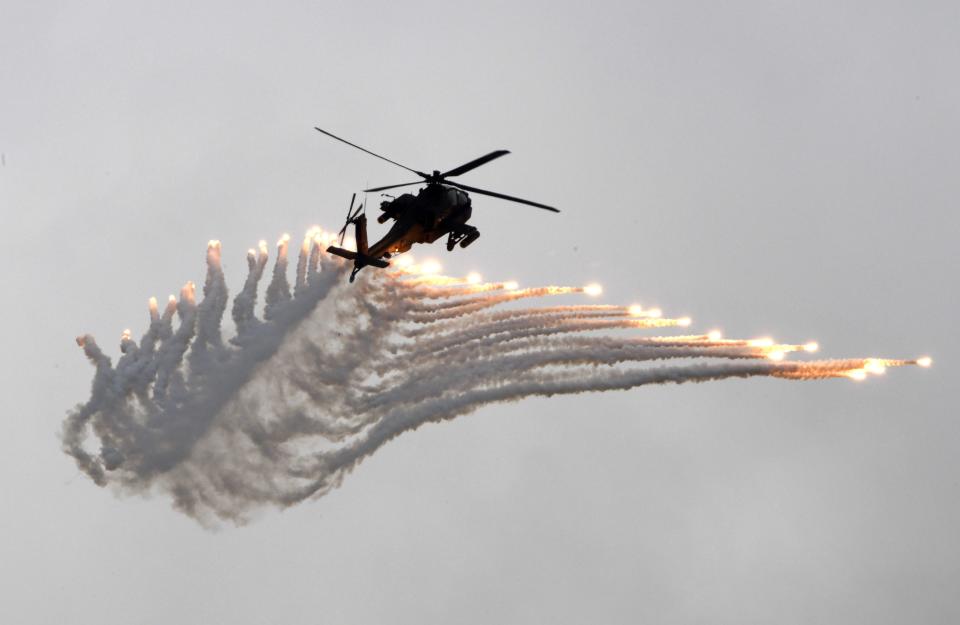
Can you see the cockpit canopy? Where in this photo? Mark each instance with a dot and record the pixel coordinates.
(457, 197)
(451, 196)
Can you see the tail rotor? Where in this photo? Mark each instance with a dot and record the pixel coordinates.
(351, 217)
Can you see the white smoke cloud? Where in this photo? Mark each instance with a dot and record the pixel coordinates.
(293, 401)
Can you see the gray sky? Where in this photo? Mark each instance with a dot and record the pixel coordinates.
(768, 168)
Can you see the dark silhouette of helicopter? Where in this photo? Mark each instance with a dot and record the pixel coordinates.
(440, 208)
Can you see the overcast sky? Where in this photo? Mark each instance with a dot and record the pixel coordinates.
(764, 167)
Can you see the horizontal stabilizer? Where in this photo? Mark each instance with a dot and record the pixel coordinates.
(339, 251)
(360, 259)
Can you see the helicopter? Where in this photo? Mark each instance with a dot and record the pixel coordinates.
(441, 208)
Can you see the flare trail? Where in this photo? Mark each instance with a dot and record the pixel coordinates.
(297, 396)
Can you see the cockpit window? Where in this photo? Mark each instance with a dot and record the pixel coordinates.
(456, 197)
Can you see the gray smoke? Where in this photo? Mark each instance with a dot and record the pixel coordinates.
(301, 394)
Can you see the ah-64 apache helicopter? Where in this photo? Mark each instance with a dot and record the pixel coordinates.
(440, 208)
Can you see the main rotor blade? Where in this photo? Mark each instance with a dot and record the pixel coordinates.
(500, 195)
(393, 186)
(474, 163)
(370, 153)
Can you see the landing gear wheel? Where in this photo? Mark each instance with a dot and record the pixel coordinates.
(470, 238)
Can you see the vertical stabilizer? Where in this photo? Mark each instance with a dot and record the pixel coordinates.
(360, 224)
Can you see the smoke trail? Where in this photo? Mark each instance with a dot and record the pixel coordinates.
(330, 467)
(246, 300)
(330, 372)
(278, 291)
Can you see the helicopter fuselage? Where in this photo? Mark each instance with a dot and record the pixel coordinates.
(436, 210)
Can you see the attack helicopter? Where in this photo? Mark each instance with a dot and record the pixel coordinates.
(441, 208)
